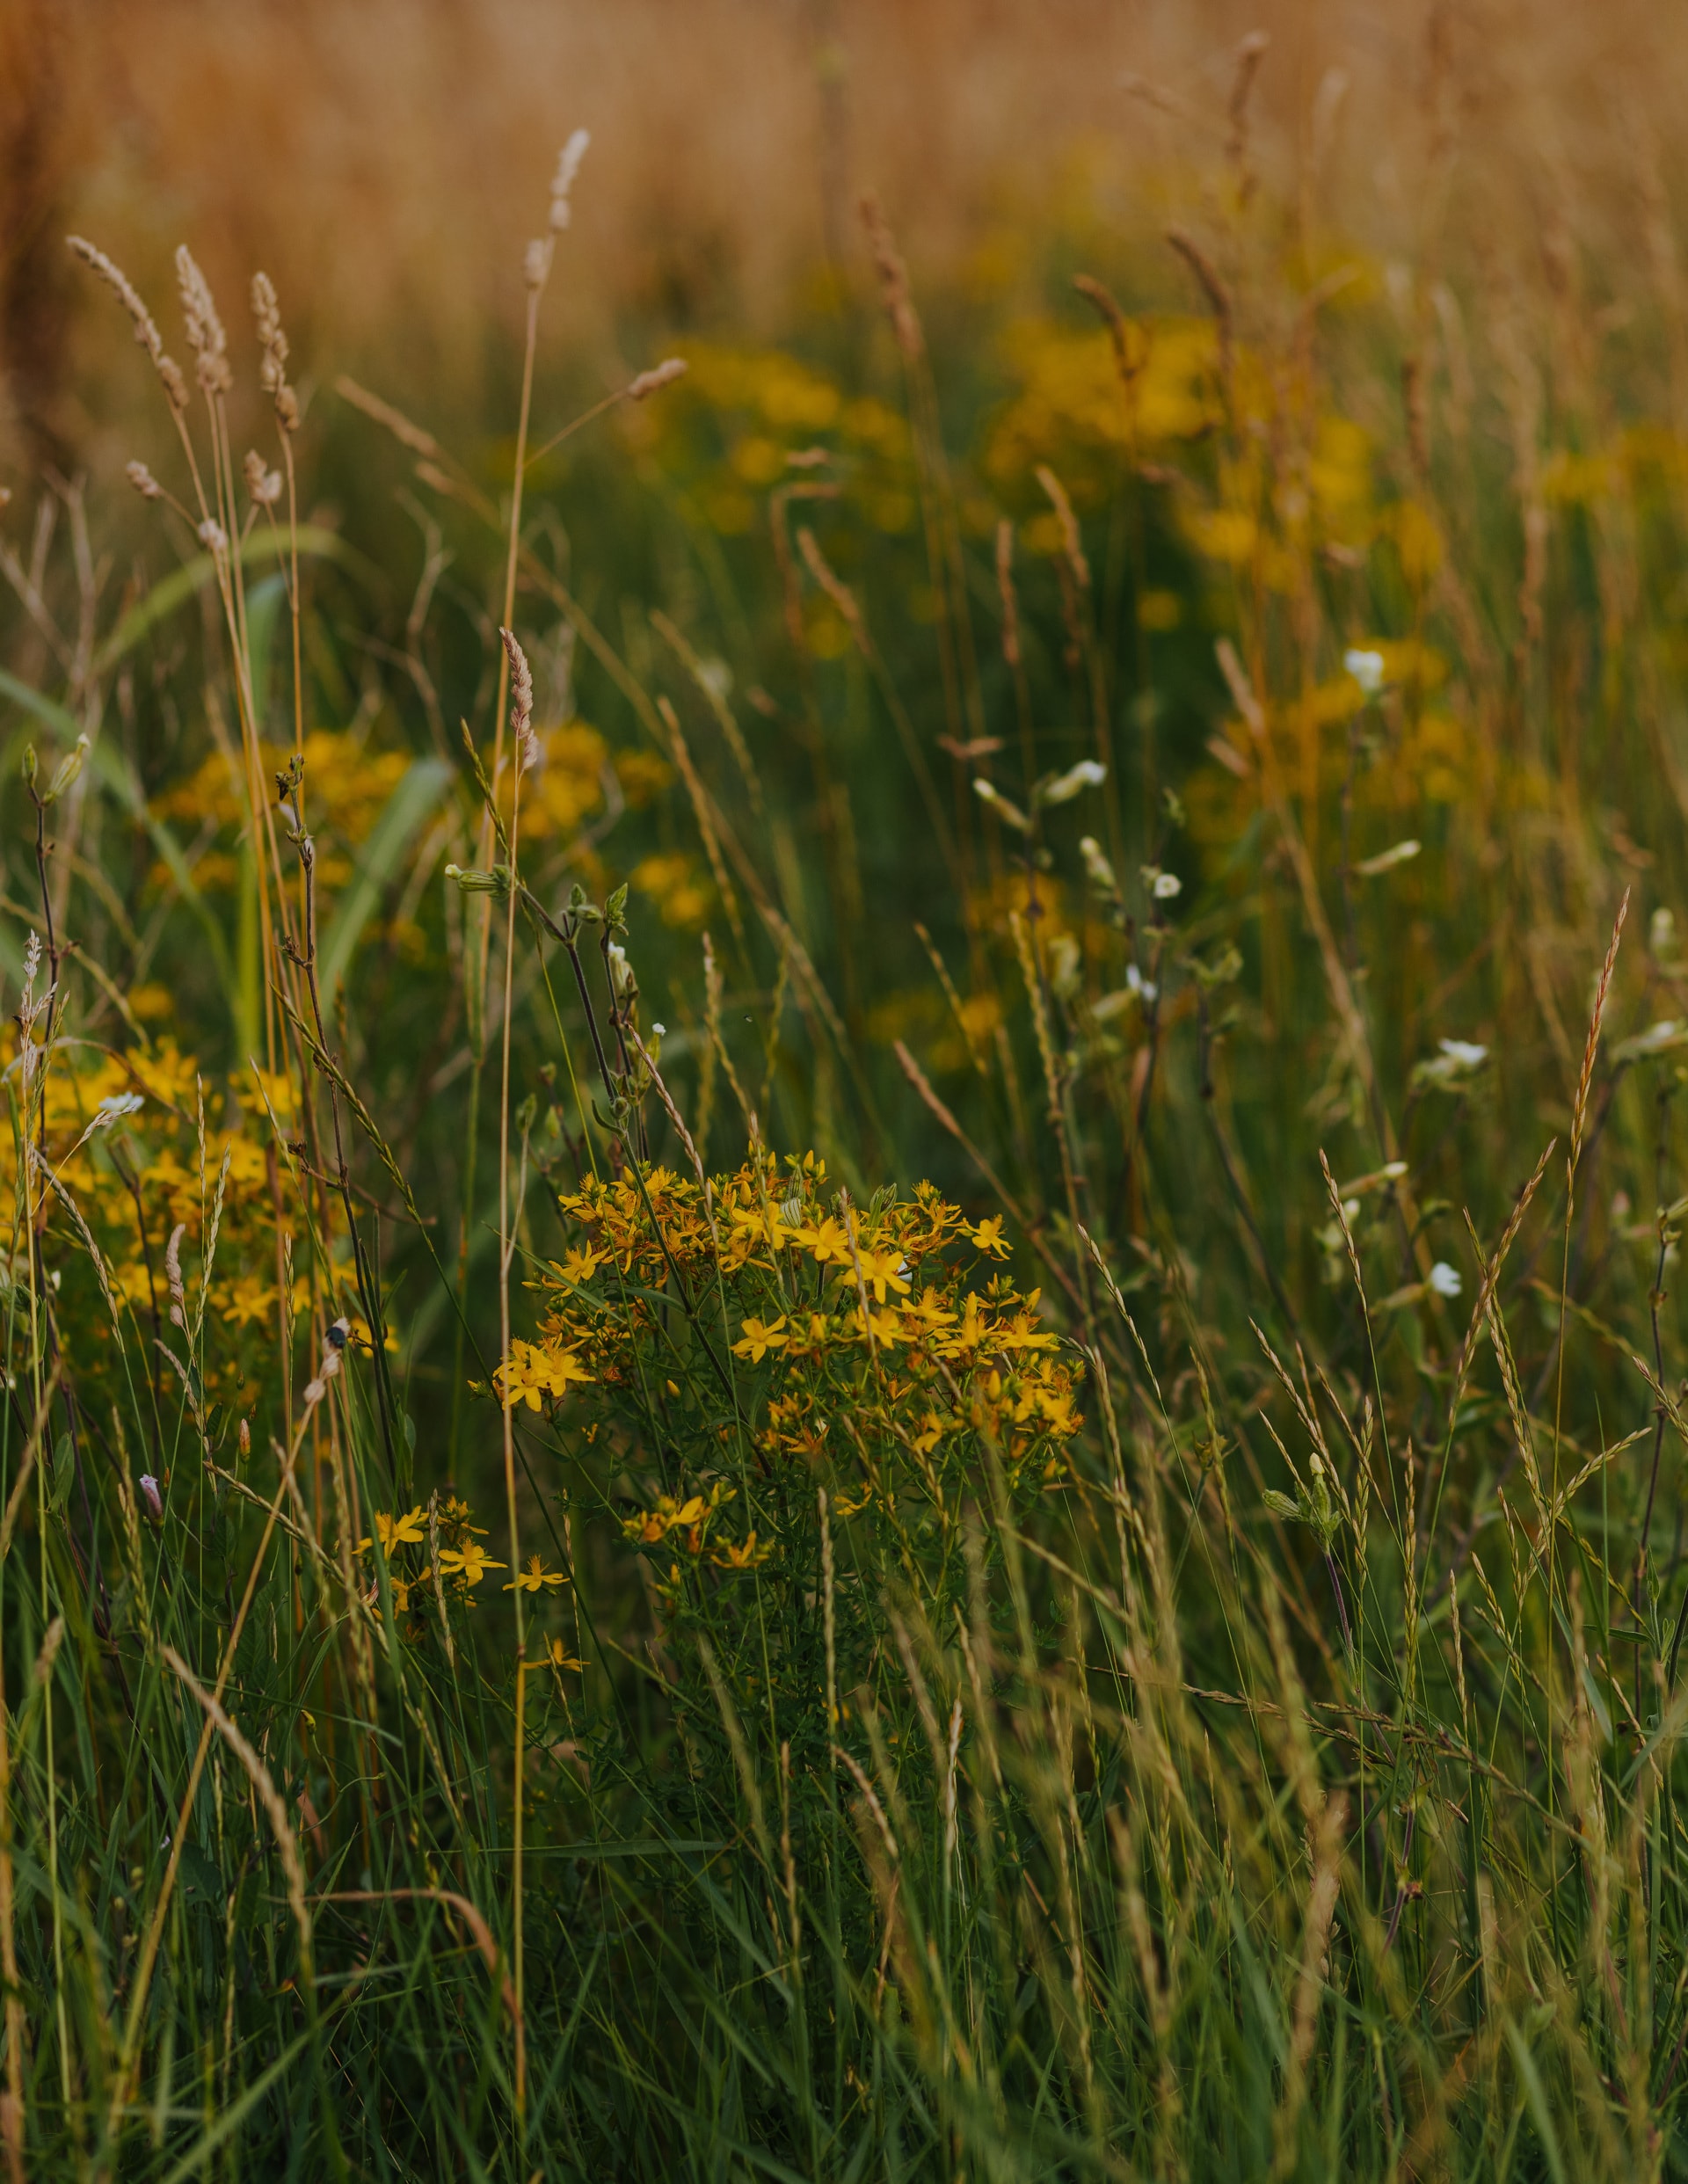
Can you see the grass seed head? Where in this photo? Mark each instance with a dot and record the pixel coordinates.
(204, 334)
(146, 330)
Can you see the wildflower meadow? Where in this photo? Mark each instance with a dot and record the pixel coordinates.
(843, 1190)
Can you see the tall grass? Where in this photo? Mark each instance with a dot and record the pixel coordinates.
(853, 1356)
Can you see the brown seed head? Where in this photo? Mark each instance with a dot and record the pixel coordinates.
(1072, 545)
(893, 280)
(146, 332)
(204, 334)
(1004, 590)
(521, 702)
(143, 481)
(568, 166)
(263, 484)
(273, 372)
(663, 375)
(833, 584)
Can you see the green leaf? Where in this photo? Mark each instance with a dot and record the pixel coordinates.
(413, 802)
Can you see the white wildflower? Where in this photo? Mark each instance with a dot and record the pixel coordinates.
(1444, 1279)
(1463, 1053)
(1366, 669)
(1062, 787)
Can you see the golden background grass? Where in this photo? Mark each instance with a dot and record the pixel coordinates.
(386, 160)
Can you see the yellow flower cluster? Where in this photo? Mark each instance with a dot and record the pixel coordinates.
(128, 1165)
(463, 1561)
(860, 1340)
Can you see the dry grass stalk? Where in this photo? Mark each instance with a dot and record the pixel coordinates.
(146, 332)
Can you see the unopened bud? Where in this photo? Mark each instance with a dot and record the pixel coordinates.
(497, 882)
(66, 769)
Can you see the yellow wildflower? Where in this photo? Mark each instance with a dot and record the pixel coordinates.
(886, 1326)
(249, 1299)
(989, 1238)
(879, 1268)
(581, 1265)
(727, 1556)
(825, 1243)
(395, 1532)
(536, 1577)
(532, 1373)
(759, 1340)
(927, 1311)
(470, 1562)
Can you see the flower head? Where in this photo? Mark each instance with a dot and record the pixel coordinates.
(530, 1373)
(1366, 669)
(1444, 1279)
(470, 1562)
(411, 1530)
(534, 1578)
(759, 1339)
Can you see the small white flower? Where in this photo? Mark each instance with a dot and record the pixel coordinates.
(1444, 1279)
(1366, 669)
(1463, 1053)
(149, 1492)
(658, 1030)
(1167, 886)
(1144, 988)
(716, 676)
(1087, 774)
(114, 1107)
